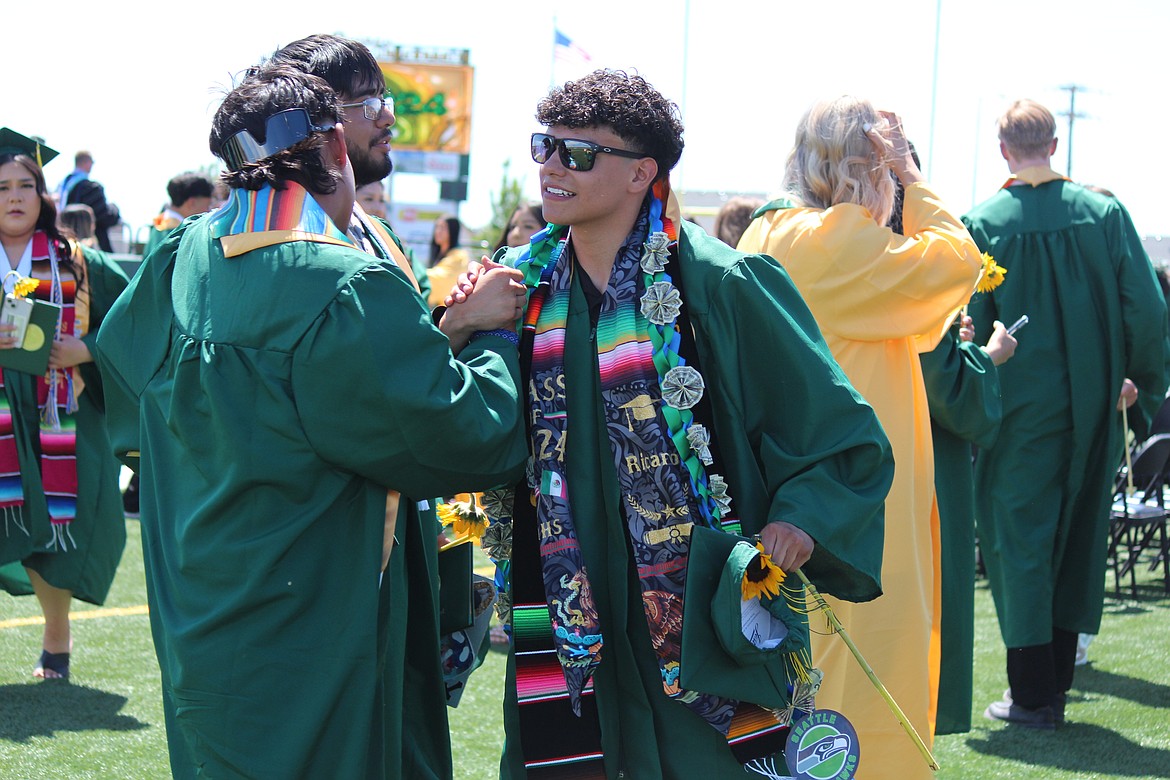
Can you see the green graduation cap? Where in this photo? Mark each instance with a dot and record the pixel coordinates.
(12, 142)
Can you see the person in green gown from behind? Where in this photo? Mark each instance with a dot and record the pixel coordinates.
(278, 382)
(1096, 341)
(189, 193)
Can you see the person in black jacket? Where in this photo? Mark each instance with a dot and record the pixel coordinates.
(79, 188)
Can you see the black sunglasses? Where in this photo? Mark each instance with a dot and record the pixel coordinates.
(576, 155)
(281, 130)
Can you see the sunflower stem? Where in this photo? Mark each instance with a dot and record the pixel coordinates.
(865, 667)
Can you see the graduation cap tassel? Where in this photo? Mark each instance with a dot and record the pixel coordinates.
(865, 667)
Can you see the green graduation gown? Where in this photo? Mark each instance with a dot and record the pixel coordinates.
(1076, 267)
(798, 444)
(154, 239)
(275, 396)
(962, 391)
(99, 528)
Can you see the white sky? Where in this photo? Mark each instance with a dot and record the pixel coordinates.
(138, 88)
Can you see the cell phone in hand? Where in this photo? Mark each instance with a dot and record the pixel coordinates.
(16, 311)
(1021, 322)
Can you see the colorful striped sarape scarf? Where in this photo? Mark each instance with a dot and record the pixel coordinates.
(57, 394)
(251, 219)
(660, 456)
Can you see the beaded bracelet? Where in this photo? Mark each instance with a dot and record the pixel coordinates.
(503, 333)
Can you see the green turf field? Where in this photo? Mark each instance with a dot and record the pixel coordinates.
(108, 722)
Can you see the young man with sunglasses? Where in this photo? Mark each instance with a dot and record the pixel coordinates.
(277, 381)
(676, 390)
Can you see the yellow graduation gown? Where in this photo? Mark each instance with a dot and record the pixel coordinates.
(880, 299)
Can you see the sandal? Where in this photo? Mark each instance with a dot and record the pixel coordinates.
(58, 663)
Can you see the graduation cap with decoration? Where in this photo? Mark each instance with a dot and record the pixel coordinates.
(12, 142)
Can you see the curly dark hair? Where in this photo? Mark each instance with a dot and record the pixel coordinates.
(627, 104)
(266, 91)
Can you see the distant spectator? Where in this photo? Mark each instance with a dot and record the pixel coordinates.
(78, 219)
(219, 194)
(526, 220)
(82, 165)
(447, 259)
(372, 199)
(79, 188)
(190, 194)
(734, 217)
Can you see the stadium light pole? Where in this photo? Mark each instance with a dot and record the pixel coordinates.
(934, 88)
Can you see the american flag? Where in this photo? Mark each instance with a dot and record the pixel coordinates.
(568, 53)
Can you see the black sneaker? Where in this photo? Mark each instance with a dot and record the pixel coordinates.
(1010, 712)
(1057, 706)
(130, 499)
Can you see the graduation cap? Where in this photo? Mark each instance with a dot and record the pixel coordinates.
(12, 142)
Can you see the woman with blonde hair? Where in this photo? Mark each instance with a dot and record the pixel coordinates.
(880, 299)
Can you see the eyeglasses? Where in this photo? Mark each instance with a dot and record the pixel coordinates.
(372, 107)
(576, 155)
(281, 131)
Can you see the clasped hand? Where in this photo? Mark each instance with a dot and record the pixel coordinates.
(488, 296)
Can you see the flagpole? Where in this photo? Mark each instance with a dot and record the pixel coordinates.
(934, 90)
(685, 56)
(552, 66)
(686, 52)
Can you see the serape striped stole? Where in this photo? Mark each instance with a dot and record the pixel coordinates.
(252, 219)
(57, 403)
(555, 658)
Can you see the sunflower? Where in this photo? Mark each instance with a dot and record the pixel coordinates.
(24, 284)
(464, 517)
(761, 577)
(992, 275)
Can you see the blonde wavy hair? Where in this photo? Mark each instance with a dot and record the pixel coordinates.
(833, 160)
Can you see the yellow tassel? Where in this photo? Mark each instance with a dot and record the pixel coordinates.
(801, 662)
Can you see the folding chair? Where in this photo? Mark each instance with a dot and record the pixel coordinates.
(1161, 421)
(1137, 522)
(1159, 424)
